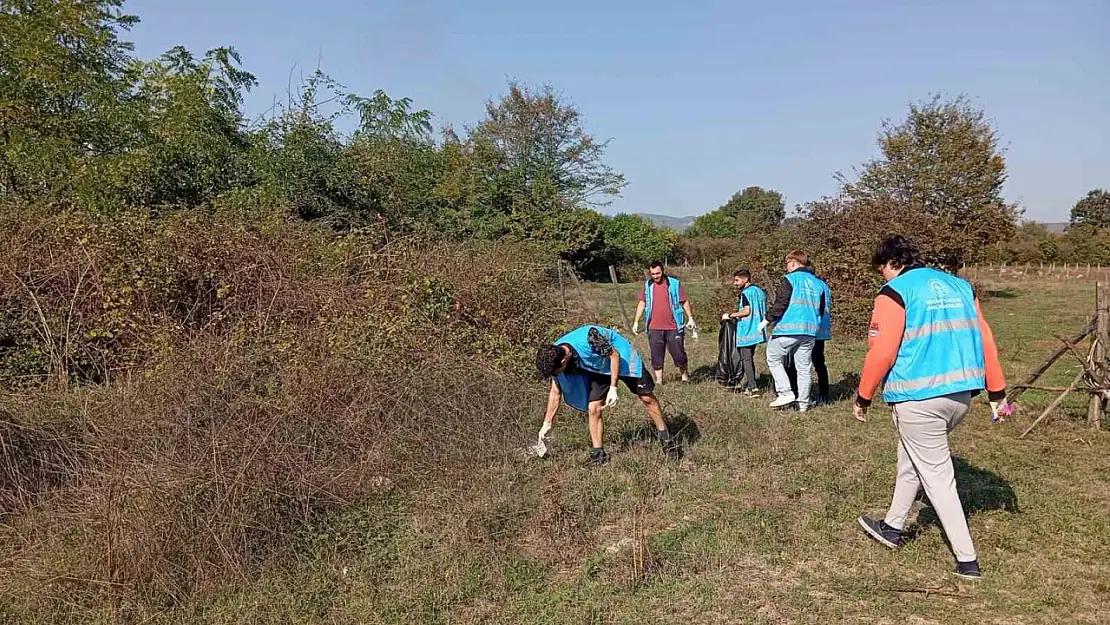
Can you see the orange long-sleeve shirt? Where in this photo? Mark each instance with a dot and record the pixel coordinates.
(884, 338)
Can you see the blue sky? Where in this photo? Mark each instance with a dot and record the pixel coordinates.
(703, 98)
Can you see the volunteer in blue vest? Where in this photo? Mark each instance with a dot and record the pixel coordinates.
(824, 333)
(796, 316)
(668, 318)
(751, 307)
(932, 350)
(584, 366)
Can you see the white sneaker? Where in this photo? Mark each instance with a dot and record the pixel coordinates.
(783, 400)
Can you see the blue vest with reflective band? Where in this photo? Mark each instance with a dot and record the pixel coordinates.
(824, 331)
(676, 306)
(801, 317)
(942, 349)
(747, 329)
(576, 386)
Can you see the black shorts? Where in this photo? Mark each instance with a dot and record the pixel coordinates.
(599, 385)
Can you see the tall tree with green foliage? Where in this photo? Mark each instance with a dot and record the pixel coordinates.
(943, 161)
(1093, 210)
(65, 93)
(751, 211)
(533, 155)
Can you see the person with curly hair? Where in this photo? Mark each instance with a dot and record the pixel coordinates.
(584, 366)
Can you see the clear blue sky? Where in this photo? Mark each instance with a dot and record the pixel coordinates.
(703, 98)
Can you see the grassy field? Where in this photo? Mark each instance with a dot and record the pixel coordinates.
(755, 525)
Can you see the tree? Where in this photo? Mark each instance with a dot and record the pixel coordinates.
(66, 92)
(751, 211)
(534, 155)
(1092, 210)
(942, 161)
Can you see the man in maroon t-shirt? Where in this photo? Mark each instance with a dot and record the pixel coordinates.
(663, 332)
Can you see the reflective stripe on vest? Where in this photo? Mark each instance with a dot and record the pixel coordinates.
(673, 291)
(942, 349)
(747, 329)
(801, 317)
(824, 333)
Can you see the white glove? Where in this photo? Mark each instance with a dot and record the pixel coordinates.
(690, 325)
(995, 418)
(636, 327)
(543, 431)
(763, 325)
(725, 317)
(611, 397)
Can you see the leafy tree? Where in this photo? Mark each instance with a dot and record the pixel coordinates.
(942, 161)
(533, 154)
(632, 239)
(64, 92)
(751, 211)
(1092, 210)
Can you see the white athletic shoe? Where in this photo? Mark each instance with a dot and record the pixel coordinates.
(783, 400)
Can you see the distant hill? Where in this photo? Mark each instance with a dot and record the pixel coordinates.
(678, 224)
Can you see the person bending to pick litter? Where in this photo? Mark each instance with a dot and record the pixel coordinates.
(584, 366)
(932, 350)
(668, 317)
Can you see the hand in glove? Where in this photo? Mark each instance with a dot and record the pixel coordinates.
(690, 325)
(543, 431)
(636, 327)
(611, 397)
(763, 325)
(1000, 410)
(726, 317)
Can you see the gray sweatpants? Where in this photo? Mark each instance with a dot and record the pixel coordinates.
(924, 460)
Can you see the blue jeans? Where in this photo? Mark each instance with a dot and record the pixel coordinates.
(778, 348)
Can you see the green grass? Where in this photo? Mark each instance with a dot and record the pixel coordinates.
(755, 525)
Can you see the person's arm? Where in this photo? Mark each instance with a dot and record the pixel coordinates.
(782, 301)
(884, 338)
(641, 305)
(615, 369)
(685, 304)
(996, 380)
(554, 398)
(745, 308)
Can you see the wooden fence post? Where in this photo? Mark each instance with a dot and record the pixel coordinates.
(562, 289)
(1101, 356)
(620, 302)
(717, 265)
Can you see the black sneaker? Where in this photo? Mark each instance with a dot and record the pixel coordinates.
(671, 448)
(598, 457)
(881, 532)
(968, 570)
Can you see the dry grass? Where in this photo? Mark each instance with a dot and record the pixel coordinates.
(383, 493)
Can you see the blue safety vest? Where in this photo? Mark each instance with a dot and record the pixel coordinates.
(942, 348)
(801, 317)
(747, 329)
(576, 386)
(824, 330)
(676, 306)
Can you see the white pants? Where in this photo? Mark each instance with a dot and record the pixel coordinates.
(925, 460)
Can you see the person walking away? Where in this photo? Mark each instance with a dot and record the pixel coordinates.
(668, 312)
(584, 366)
(796, 315)
(751, 308)
(932, 350)
(824, 333)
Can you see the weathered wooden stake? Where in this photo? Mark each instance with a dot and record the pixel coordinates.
(1052, 406)
(620, 302)
(1036, 373)
(1100, 360)
(562, 289)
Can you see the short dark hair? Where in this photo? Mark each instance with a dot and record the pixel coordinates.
(548, 360)
(655, 264)
(742, 273)
(898, 250)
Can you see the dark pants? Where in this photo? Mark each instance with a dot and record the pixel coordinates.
(747, 358)
(663, 341)
(818, 365)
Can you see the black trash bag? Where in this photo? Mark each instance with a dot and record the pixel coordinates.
(729, 368)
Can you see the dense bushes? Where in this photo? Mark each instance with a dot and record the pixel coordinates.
(235, 381)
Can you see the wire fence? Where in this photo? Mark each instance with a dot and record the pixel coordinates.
(1065, 272)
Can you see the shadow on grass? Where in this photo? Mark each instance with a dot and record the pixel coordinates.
(981, 490)
(684, 432)
(1004, 293)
